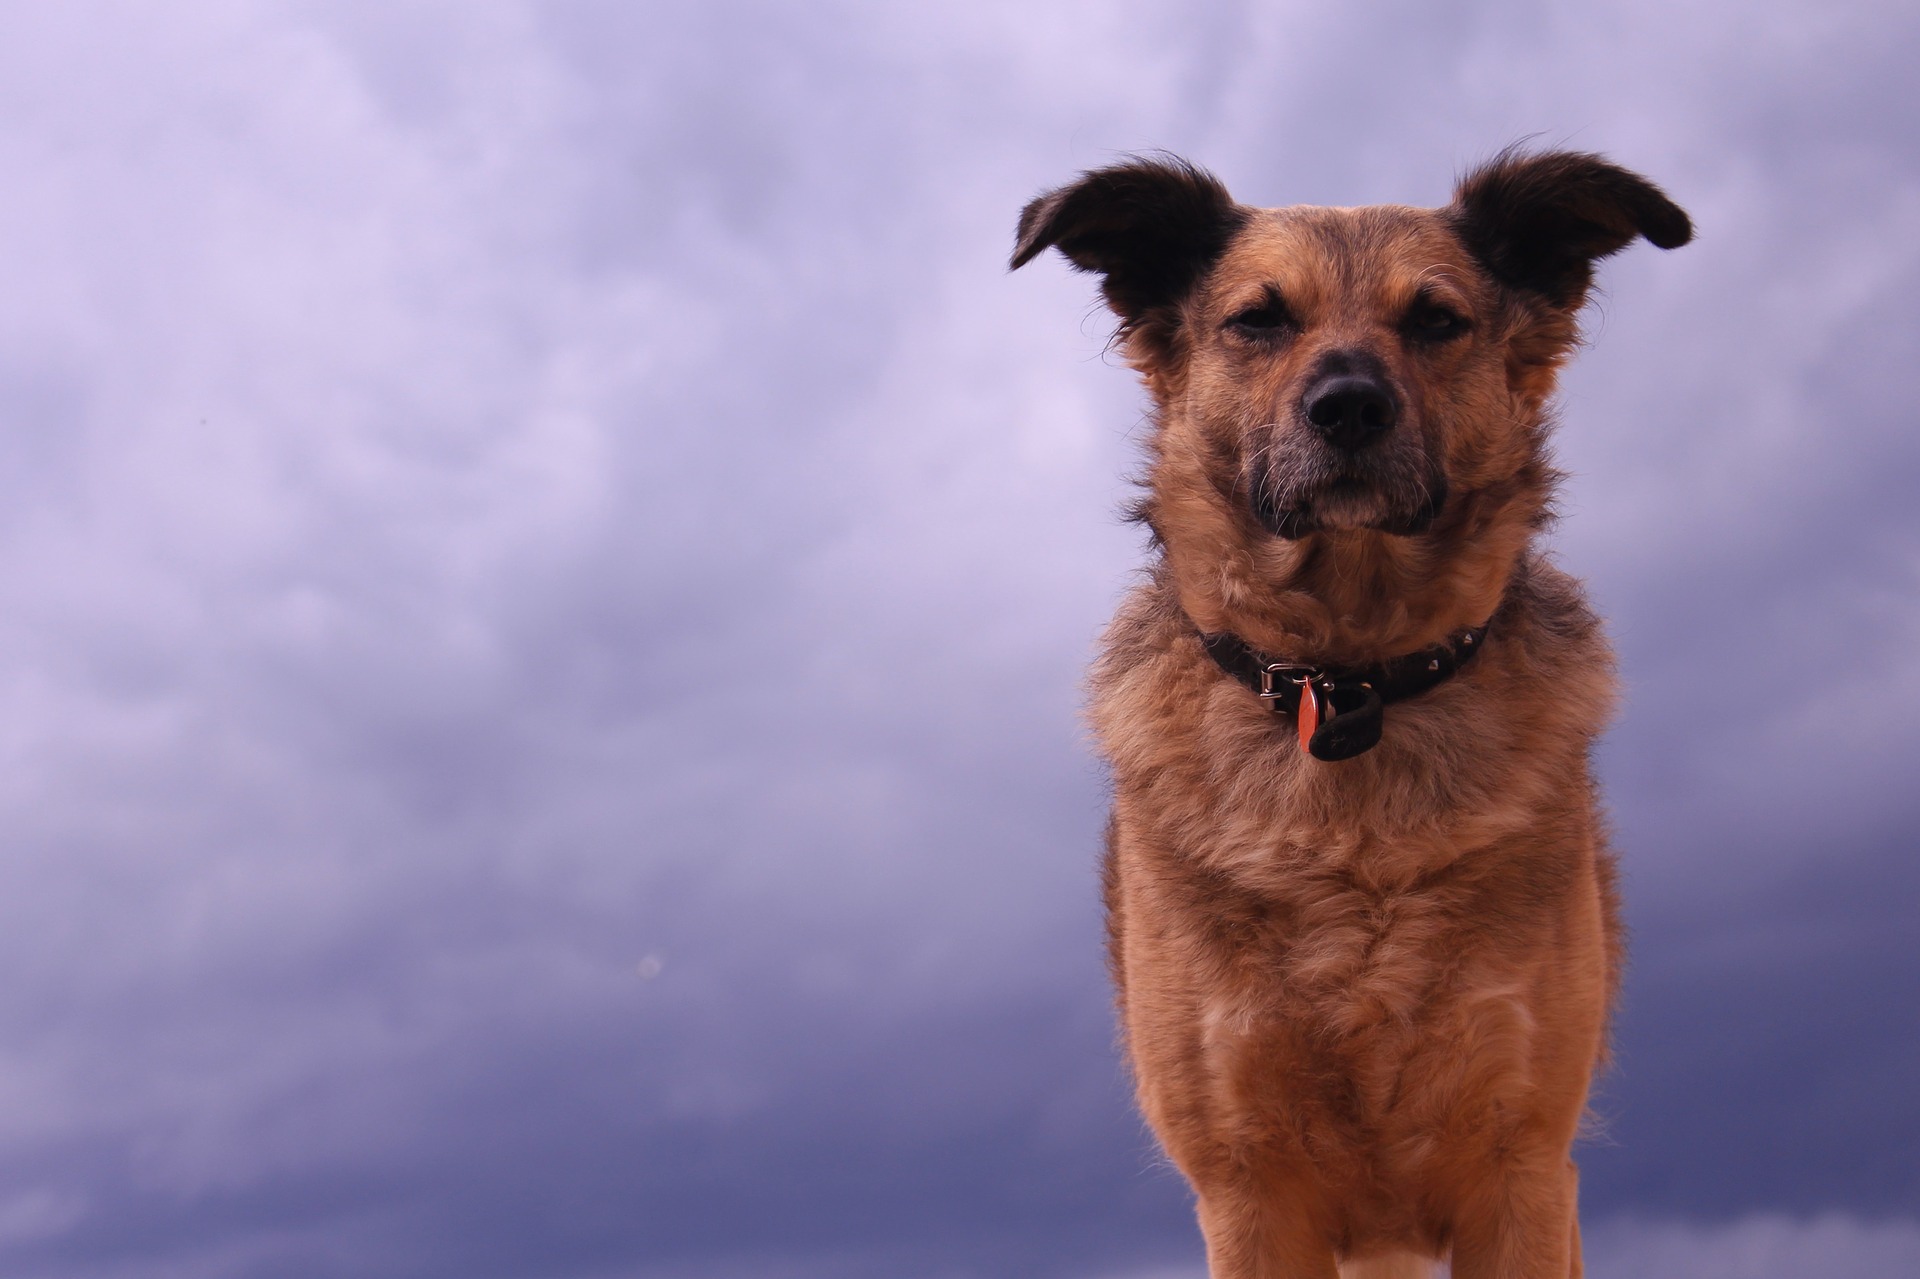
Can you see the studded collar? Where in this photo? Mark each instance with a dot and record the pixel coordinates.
(1340, 709)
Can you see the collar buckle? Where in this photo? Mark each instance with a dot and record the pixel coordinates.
(1274, 673)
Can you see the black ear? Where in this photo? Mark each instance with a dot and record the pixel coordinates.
(1151, 227)
(1539, 222)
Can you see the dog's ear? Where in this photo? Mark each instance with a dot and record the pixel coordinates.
(1539, 222)
(1151, 227)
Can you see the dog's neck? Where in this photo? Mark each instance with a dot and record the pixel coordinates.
(1349, 597)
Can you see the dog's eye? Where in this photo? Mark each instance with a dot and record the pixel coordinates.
(1431, 322)
(1268, 319)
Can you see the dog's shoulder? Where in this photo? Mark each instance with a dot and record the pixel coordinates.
(1549, 607)
(1552, 660)
(1148, 622)
(1151, 684)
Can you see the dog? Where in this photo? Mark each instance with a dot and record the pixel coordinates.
(1362, 916)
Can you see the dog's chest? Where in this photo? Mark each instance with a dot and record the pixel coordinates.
(1333, 959)
(1369, 1016)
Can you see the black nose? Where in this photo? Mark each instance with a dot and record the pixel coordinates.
(1350, 410)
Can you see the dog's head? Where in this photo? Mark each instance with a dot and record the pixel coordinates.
(1350, 402)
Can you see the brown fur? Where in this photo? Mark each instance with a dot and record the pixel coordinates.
(1363, 1000)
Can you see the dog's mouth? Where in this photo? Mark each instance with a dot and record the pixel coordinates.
(1398, 504)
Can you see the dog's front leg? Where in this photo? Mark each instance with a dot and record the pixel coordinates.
(1524, 1225)
(1262, 1237)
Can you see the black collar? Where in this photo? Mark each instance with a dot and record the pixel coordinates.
(1339, 708)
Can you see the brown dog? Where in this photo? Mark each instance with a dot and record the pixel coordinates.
(1361, 911)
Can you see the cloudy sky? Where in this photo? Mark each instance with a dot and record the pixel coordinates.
(545, 567)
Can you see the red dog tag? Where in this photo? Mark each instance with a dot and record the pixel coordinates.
(1309, 712)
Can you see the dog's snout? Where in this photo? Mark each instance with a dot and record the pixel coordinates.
(1350, 410)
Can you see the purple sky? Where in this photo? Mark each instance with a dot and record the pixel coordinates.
(545, 567)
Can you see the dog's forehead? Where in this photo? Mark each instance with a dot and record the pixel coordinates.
(1314, 253)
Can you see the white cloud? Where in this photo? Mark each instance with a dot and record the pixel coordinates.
(1757, 1247)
